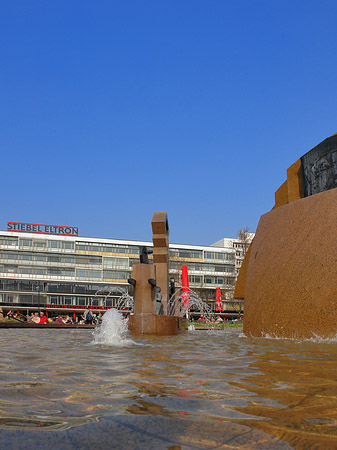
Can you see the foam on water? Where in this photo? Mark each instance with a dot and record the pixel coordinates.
(315, 338)
(113, 330)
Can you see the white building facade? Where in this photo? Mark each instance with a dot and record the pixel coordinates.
(48, 267)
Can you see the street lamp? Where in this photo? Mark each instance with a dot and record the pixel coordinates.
(38, 288)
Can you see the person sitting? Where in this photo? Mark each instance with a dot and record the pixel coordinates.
(36, 318)
(59, 320)
(219, 319)
(43, 318)
(201, 319)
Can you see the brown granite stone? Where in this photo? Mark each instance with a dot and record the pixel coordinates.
(159, 223)
(295, 181)
(291, 190)
(291, 288)
(152, 324)
(281, 195)
(160, 230)
(240, 285)
(145, 319)
(144, 294)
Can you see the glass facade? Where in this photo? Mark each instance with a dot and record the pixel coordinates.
(71, 270)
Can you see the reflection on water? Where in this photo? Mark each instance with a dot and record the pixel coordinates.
(199, 390)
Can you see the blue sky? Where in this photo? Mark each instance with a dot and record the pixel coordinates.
(111, 110)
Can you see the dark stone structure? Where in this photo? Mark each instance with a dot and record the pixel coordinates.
(288, 278)
(319, 167)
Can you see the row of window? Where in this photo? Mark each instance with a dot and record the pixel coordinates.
(39, 244)
(219, 281)
(200, 267)
(40, 271)
(24, 257)
(182, 253)
(215, 256)
(79, 274)
(45, 244)
(108, 262)
(107, 248)
(100, 247)
(45, 286)
(30, 299)
(198, 281)
(83, 301)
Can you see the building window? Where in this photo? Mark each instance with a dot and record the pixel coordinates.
(82, 274)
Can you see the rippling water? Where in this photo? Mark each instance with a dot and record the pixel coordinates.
(198, 390)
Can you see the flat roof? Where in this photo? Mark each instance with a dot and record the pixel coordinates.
(54, 237)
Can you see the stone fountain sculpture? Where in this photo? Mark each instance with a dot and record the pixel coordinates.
(288, 278)
(151, 285)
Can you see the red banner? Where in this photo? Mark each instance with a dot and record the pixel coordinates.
(218, 300)
(185, 298)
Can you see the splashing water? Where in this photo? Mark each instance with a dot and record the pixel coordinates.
(113, 330)
(176, 305)
(125, 301)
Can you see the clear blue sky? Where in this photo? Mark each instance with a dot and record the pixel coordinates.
(111, 110)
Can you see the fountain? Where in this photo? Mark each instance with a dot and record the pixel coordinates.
(113, 330)
(288, 278)
(176, 305)
(151, 286)
(70, 389)
(124, 301)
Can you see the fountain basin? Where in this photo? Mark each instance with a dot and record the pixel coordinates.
(152, 324)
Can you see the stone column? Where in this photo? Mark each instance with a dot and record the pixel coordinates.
(144, 296)
(160, 230)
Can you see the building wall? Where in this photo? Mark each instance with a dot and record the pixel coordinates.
(68, 270)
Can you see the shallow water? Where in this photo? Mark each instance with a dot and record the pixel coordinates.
(198, 390)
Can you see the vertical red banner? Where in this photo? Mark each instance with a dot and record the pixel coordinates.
(185, 285)
(218, 300)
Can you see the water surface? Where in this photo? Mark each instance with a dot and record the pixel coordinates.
(198, 390)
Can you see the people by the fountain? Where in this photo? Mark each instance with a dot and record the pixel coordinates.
(219, 319)
(10, 314)
(43, 318)
(59, 319)
(87, 317)
(73, 319)
(201, 318)
(36, 318)
(99, 318)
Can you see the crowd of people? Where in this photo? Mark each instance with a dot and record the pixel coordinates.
(213, 320)
(87, 318)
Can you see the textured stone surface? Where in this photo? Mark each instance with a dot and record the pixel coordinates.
(291, 288)
(144, 296)
(240, 285)
(315, 172)
(153, 324)
(281, 195)
(160, 237)
(295, 182)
